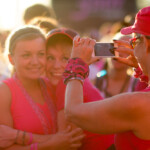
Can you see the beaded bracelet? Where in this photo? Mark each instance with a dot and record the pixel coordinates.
(139, 74)
(76, 69)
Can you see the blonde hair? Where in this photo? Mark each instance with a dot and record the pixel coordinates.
(27, 32)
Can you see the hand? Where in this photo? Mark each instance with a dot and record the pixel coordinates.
(7, 136)
(67, 140)
(83, 48)
(125, 47)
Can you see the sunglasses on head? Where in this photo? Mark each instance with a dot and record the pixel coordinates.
(68, 32)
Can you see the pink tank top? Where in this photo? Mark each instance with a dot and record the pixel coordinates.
(92, 141)
(24, 115)
(128, 141)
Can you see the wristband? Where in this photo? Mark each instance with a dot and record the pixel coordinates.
(76, 69)
(23, 138)
(34, 146)
(139, 74)
(30, 138)
(17, 136)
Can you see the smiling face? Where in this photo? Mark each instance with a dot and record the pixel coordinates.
(29, 58)
(57, 58)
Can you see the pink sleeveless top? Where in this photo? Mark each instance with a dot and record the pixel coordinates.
(92, 141)
(128, 141)
(25, 116)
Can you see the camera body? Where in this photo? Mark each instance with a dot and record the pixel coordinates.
(105, 50)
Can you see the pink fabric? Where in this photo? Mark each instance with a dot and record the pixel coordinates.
(24, 117)
(76, 68)
(128, 141)
(31, 138)
(92, 141)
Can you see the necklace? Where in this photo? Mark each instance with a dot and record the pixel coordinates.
(39, 112)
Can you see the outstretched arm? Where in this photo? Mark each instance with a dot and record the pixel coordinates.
(117, 114)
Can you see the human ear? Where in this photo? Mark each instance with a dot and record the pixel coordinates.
(10, 57)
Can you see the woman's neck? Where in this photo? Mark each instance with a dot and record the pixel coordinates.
(28, 83)
(117, 74)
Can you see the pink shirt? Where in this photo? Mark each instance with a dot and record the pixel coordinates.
(128, 141)
(23, 114)
(92, 141)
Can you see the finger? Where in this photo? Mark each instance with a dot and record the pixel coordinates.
(87, 41)
(125, 50)
(122, 60)
(76, 40)
(92, 42)
(125, 61)
(122, 43)
(68, 129)
(83, 41)
(77, 145)
(93, 60)
(75, 131)
(77, 138)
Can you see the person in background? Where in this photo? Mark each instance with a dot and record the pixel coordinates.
(37, 10)
(59, 45)
(45, 23)
(25, 105)
(125, 114)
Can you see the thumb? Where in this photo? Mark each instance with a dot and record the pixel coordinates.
(93, 60)
(68, 129)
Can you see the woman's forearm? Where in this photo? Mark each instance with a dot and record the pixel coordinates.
(40, 146)
(26, 137)
(10, 136)
(73, 98)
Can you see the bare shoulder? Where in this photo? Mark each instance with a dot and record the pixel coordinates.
(137, 103)
(5, 94)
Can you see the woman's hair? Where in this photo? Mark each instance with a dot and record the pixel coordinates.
(37, 10)
(27, 32)
(59, 39)
(45, 23)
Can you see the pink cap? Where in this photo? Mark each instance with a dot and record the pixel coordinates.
(141, 24)
(64, 31)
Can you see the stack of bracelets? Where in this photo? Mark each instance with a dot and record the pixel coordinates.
(76, 69)
(33, 146)
(139, 74)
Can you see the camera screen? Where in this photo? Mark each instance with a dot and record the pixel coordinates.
(104, 49)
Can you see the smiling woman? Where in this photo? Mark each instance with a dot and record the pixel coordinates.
(58, 46)
(25, 103)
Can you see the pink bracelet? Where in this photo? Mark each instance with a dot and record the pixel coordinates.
(139, 74)
(76, 69)
(34, 146)
(31, 138)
